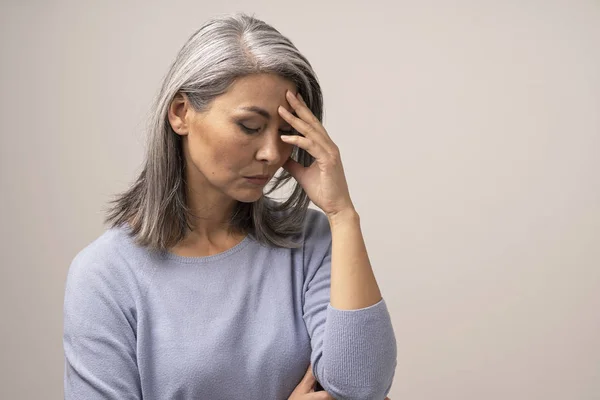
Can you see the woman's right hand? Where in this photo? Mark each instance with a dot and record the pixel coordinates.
(306, 389)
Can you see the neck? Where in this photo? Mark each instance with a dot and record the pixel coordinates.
(211, 231)
(210, 217)
(210, 208)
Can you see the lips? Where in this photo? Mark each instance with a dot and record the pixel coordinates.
(258, 179)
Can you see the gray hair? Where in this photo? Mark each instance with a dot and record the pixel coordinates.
(226, 47)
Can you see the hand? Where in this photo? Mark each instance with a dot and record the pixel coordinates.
(324, 181)
(306, 389)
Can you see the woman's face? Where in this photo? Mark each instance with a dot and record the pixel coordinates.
(226, 144)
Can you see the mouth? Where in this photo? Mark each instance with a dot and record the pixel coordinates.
(258, 179)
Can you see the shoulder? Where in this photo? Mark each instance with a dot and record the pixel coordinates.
(109, 262)
(103, 290)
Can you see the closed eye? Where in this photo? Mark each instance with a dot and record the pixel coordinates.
(252, 131)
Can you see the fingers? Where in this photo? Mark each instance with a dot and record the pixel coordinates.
(305, 123)
(301, 108)
(308, 381)
(319, 396)
(298, 124)
(314, 120)
(314, 149)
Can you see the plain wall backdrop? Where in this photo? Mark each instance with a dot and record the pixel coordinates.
(470, 136)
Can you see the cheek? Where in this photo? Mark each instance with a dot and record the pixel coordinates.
(223, 157)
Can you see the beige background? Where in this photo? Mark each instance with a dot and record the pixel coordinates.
(470, 134)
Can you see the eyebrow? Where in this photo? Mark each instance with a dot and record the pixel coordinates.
(260, 111)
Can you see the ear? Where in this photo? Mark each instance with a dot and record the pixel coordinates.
(178, 113)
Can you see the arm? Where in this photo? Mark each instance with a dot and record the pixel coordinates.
(353, 283)
(358, 354)
(353, 351)
(99, 339)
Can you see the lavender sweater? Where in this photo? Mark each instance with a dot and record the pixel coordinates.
(242, 324)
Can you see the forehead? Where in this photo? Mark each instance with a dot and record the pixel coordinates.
(263, 90)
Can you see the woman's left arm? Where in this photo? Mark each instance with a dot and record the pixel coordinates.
(353, 284)
(358, 345)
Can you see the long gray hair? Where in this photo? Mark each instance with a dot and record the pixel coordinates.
(225, 48)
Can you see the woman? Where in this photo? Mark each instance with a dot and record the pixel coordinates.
(205, 288)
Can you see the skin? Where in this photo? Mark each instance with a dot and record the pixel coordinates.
(219, 154)
(353, 284)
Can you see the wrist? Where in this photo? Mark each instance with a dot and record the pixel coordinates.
(347, 215)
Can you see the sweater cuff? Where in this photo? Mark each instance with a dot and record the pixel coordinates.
(360, 346)
(380, 303)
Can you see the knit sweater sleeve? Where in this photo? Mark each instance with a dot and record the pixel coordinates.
(353, 351)
(99, 337)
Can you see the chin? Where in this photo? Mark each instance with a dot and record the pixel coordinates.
(249, 197)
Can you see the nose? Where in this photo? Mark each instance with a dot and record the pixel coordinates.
(272, 149)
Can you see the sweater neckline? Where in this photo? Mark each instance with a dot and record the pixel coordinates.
(166, 255)
(207, 259)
